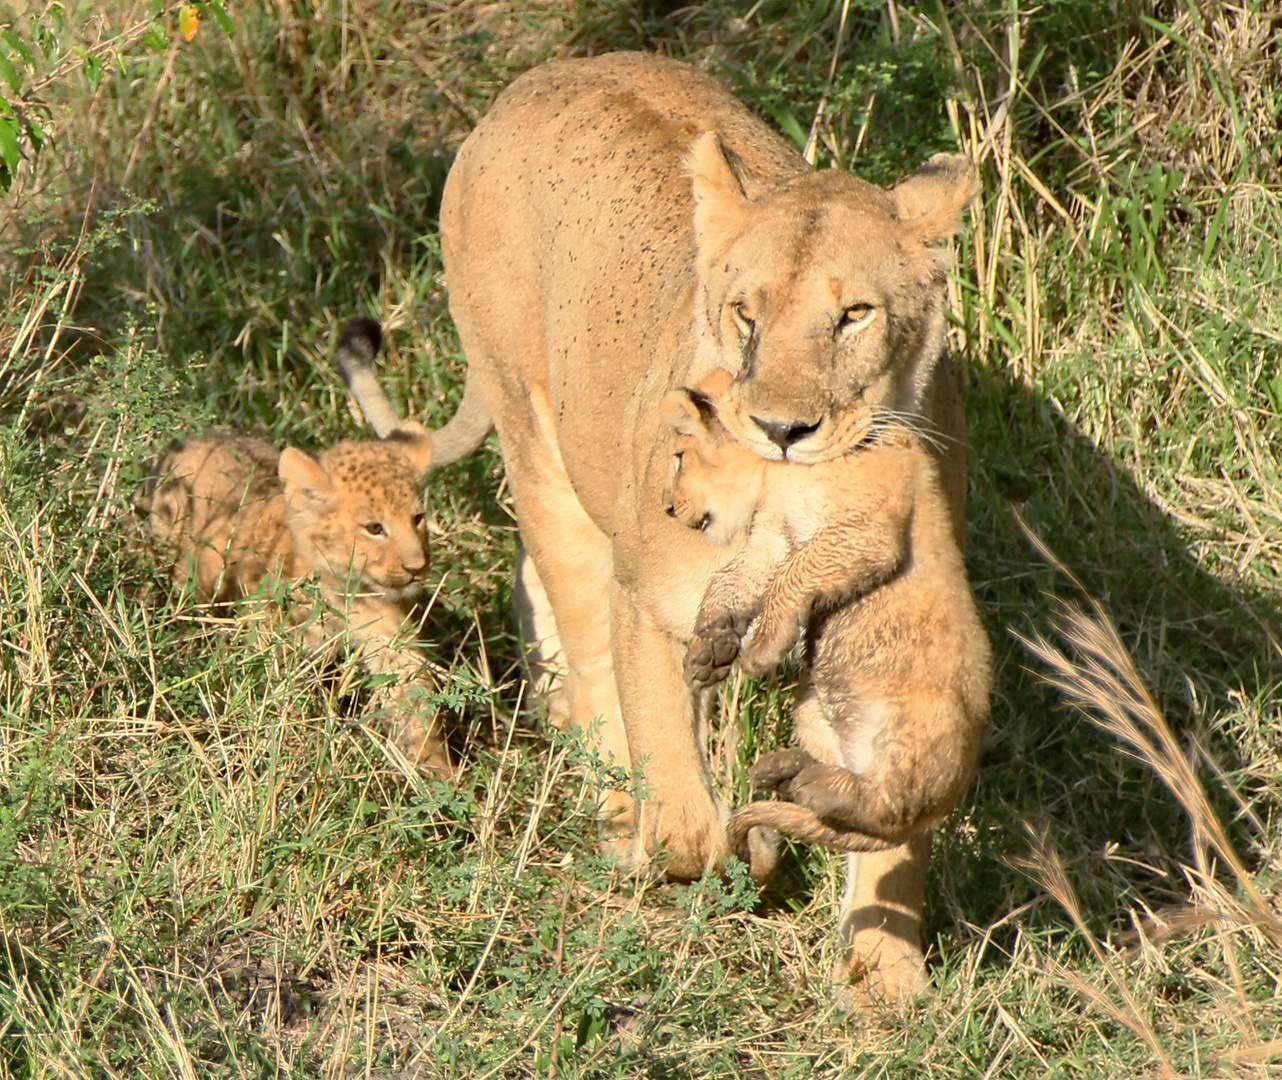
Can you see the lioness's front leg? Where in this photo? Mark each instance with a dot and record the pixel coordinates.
(678, 812)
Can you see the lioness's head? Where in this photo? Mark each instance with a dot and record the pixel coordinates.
(356, 512)
(819, 292)
(714, 484)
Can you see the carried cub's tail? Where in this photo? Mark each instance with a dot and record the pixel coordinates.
(354, 354)
(799, 823)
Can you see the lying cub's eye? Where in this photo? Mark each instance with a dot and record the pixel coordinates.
(375, 528)
(857, 315)
(741, 317)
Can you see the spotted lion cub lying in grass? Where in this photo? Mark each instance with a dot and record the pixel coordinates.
(234, 512)
(859, 553)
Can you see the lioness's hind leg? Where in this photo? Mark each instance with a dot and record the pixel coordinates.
(540, 643)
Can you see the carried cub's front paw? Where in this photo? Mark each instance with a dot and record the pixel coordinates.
(772, 769)
(712, 651)
(770, 641)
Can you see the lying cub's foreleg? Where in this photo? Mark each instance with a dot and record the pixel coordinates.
(377, 632)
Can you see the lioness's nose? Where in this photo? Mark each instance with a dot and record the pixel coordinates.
(783, 433)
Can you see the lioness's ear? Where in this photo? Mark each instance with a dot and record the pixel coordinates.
(416, 442)
(930, 200)
(679, 411)
(719, 199)
(300, 472)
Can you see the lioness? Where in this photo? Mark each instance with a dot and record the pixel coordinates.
(897, 691)
(616, 228)
(231, 512)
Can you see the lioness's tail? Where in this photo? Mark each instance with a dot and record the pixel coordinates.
(800, 823)
(354, 354)
(354, 357)
(465, 430)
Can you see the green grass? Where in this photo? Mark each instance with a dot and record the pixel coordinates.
(208, 867)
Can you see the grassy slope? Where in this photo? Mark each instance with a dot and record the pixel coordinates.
(208, 867)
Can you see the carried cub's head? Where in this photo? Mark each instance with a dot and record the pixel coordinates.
(355, 513)
(714, 484)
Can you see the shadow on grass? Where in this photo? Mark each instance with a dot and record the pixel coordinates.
(1203, 647)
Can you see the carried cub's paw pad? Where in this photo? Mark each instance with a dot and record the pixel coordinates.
(778, 766)
(712, 651)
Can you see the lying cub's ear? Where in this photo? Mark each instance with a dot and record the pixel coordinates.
(301, 472)
(416, 442)
(720, 204)
(930, 200)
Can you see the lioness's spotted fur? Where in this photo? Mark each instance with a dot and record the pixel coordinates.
(231, 512)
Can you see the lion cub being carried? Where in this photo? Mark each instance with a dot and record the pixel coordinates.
(233, 512)
(861, 549)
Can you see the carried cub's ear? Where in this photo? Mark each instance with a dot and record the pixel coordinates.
(416, 442)
(301, 472)
(720, 204)
(716, 383)
(930, 200)
(679, 412)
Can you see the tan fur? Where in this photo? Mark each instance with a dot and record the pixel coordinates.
(232, 514)
(598, 228)
(861, 549)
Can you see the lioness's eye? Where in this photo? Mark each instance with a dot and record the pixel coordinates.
(857, 314)
(375, 528)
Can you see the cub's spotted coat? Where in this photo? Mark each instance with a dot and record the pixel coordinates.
(232, 512)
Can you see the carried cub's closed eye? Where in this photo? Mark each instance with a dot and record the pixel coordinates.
(375, 528)
(742, 317)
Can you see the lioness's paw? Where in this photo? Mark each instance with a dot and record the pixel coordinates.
(776, 767)
(711, 652)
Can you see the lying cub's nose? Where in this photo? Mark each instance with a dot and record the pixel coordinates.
(415, 571)
(783, 433)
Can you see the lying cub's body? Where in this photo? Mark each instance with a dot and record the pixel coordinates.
(862, 553)
(232, 512)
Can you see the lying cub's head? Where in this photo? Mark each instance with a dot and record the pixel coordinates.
(714, 484)
(356, 512)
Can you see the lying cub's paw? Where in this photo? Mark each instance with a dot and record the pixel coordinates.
(828, 790)
(711, 652)
(777, 767)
